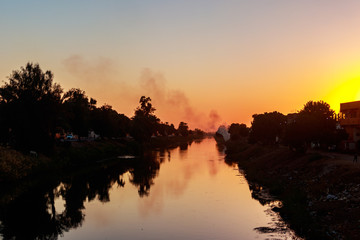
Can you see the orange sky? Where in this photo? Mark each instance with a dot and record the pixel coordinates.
(202, 62)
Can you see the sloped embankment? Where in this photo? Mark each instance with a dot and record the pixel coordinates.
(320, 191)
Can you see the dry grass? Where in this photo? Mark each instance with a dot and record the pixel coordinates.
(16, 165)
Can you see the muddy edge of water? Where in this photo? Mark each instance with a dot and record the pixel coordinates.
(320, 195)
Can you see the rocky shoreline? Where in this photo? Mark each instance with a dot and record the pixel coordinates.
(320, 191)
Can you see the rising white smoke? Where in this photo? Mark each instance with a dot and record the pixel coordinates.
(222, 130)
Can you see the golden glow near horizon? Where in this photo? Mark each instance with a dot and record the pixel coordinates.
(346, 88)
(348, 91)
(204, 62)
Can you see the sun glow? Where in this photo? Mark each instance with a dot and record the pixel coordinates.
(347, 90)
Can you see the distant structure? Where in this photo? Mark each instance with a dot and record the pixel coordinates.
(350, 120)
(222, 132)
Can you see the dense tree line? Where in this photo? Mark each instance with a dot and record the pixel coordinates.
(238, 131)
(34, 109)
(314, 125)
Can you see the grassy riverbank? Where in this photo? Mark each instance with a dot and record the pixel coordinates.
(319, 190)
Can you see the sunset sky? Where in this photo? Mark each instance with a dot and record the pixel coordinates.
(204, 62)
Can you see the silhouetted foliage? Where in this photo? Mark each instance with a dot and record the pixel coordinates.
(145, 109)
(183, 129)
(267, 127)
(313, 124)
(4, 123)
(108, 123)
(33, 110)
(295, 137)
(199, 133)
(237, 130)
(171, 130)
(144, 124)
(318, 122)
(164, 129)
(76, 107)
(29, 107)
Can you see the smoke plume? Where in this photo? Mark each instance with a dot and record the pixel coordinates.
(100, 80)
(175, 102)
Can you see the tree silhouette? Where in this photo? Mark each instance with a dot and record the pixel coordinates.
(77, 108)
(33, 109)
(145, 109)
(313, 124)
(183, 129)
(108, 123)
(29, 104)
(266, 127)
(144, 123)
(237, 130)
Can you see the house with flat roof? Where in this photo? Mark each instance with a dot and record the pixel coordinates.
(350, 120)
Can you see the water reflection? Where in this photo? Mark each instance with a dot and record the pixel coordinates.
(195, 191)
(33, 215)
(143, 173)
(184, 146)
(278, 226)
(220, 147)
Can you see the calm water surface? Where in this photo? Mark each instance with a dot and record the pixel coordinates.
(183, 193)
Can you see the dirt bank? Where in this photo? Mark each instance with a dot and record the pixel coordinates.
(320, 191)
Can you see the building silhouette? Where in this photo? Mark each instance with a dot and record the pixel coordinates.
(350, 120)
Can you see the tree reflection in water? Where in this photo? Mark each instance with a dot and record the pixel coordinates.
(220, 147)
(143, 174)
(33, 215)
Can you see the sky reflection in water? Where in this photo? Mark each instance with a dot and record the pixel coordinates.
(194, 195)
(184, 193)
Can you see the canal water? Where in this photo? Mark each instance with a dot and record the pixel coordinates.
(189, 192)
